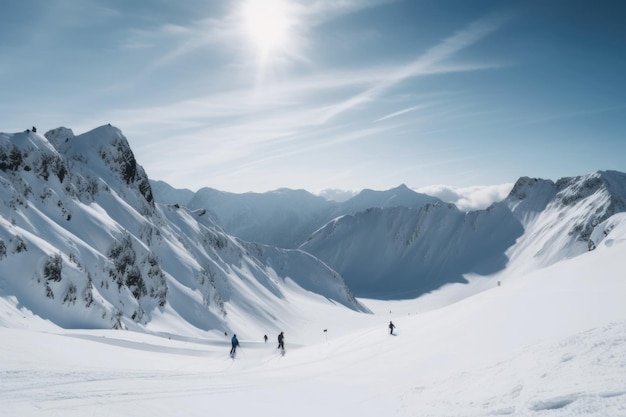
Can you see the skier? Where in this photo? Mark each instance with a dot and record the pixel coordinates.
(235, 343)
(281, 341)
(265, 338)
(391, 327)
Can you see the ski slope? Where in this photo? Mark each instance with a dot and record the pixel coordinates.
(547, 343)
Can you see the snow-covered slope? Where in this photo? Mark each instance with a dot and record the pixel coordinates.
(560, 218)
(403, 253)
(546, 344)
(400, 252)
(83, 244)
(83, 248)
(398, 243)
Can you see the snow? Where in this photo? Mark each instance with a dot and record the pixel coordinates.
(542, 334)
(284, 218)
(549, 343)
(120, 259)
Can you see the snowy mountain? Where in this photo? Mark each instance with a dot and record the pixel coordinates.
(536, 329)
(549, 343)
(398, 243)
(401, 196)
(284, 217)
(563, 219)
(403, 252)
(170, 195)
(83, 244)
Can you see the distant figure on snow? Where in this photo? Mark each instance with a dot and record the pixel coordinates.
(281, 341)
(391, 327)
(265, 338)
(235, 343)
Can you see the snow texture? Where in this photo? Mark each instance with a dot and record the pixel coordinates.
(524, 314)
(83, 244)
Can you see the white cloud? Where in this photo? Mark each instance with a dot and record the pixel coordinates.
(289, 117)
(337, 195)
(400, 112)
(468, 198)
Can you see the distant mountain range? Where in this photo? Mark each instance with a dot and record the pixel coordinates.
(284, 217)
(86, 237)
(400, 244)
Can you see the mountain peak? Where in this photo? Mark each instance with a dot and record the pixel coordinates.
(400, 196)
(80, 245)
(107, 151)
(573, 189)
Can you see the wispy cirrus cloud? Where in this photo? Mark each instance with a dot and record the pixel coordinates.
(227, 30)
(401, 112)
(423, 64)
(298, 114)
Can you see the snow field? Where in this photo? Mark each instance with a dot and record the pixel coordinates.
(530, 347)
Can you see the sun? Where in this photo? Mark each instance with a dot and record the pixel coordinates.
(267, 24)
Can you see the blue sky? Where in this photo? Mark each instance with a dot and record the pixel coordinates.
(346, 94)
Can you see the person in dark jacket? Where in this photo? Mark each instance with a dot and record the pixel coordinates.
(391, 327)
(235, 343)
(281, 341)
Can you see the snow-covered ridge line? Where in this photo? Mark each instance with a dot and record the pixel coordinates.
(79, 211)
(403, 252)
(83, 244)
(284, 217)
(400, 244)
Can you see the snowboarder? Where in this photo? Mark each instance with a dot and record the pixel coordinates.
(391, 327)
(234, 342)
(281, 341)
(265, 338)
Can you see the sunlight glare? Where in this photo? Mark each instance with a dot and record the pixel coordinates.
(267, 23)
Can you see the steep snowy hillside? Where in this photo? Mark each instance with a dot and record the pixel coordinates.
(403, 253)
(560, 218)
(407, 252)
(283, 218)
(83, 244)
(545, 344)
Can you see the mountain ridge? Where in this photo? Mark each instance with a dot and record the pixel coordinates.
(561, 215)
(541, 222)
(82, 241)
(83, 235)
(295, 214)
